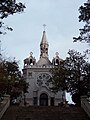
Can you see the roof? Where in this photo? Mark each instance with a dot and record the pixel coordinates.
(44, 39)
(44, 61)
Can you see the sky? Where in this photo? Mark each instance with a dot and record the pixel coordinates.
(61, 19)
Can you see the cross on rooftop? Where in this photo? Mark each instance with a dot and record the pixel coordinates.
(44, 26)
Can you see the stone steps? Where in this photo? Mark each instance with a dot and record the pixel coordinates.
(44, 113)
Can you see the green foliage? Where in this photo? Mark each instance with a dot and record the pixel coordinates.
(3, 77)
(77, 66)
(9, 7)
(85, 12)
(11, 80)
(57, 80)
(20, 86)
(83, 87)
(73, 75)
(85, 17)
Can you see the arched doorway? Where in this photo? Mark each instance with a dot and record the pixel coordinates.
(43, 99)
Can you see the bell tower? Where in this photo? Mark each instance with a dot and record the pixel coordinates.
(44, 45)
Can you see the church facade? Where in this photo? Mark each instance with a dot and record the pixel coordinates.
(37, 73)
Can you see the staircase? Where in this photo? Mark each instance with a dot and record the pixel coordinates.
(45, 113)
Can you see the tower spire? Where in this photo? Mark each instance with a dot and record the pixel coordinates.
(44, 44)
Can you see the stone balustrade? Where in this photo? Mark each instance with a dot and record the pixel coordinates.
(35, 66)
(4, 105)
(85, 104)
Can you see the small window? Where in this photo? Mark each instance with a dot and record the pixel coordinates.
(57, 62)
(35, 101)
(52, 101)
(30, 61)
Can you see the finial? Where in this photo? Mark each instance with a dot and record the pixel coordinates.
(44, 26)
(57, 54)
(31, 53)
(14, 59)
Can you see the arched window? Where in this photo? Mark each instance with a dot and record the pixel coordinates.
(43, 99)
(57, 62)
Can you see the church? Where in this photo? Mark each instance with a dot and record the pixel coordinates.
(37, 73)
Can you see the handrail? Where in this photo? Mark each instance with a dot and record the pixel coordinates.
(85, 105)
(4, 105)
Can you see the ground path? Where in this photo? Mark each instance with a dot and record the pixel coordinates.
(44, 113)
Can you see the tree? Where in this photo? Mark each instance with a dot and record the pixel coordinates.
(16, 83)
(12, 69)
(9, 7)
(3, 74)
(85, 17)
(24, 87)
(59, 74)
(20, 87)
(85, 35)
(72, 76)
(11, 80)
(78, 69)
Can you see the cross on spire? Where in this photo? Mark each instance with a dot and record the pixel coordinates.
(44, 26)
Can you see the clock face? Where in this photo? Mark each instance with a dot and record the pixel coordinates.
(42, 79)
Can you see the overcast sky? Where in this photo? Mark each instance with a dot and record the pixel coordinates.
(61, 18)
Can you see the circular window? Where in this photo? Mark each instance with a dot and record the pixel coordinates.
(42, 79)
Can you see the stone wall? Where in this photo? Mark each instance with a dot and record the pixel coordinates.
(85, 104)
(4, 105)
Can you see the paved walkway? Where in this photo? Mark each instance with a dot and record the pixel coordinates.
(44, 113)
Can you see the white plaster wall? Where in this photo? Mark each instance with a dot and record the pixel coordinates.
(32, 80)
